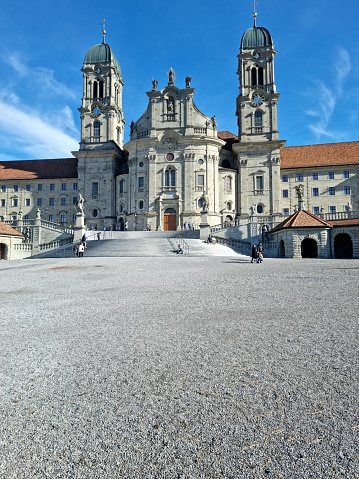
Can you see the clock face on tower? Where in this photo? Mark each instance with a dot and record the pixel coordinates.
(96, 109)
(257, 99)
(256, 56)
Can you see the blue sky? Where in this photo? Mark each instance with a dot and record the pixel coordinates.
(44, 44)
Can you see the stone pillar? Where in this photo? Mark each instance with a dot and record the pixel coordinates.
(204, 226)
(79, 228)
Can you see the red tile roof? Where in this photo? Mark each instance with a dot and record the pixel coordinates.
(347, 222)
(226, 135)
(330, 154)
(31, 169)
(302, 219)
(8, 230)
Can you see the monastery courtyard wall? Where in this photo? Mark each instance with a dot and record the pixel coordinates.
(180, 367)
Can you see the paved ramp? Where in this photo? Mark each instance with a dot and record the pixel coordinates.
(143, 243)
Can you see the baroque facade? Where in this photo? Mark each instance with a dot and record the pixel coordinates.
(176, 161)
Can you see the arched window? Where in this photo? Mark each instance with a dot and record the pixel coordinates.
(260, 76)
(140, 205)
(170, 177)
(254, 76)
(96, 131)
(95, 213)
(258, 119)
(228, 183)
(100, 89)
(226, 164)
(95, 89)
(229, 205)
(122, 183)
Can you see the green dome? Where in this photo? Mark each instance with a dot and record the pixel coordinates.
(256, 37)
(102, 53)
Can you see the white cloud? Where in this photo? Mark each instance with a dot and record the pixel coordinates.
(326, 97)
(33, 135)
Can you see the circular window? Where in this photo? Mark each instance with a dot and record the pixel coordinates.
(170, 157)
(200, 162)
(140, 164)
(140, 205)
(259, 209)
(94, 213)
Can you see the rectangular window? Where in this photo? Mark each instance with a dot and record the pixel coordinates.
(76, 185)
(3, 203)
(200, 180)
(299, 177)
(74, 200)
(332, 209)
(52, 202)
(28, 187)
(345, 174)
(330, 175)
(63, 218)
(95, 188)
(286, 211)
(64, 186)
(285, 193)
(52, 186)
(51, 218)
(39, 202)
(63, 201)
(331, 190)
(315, 191)
(259, 183)
(14, 202)
(316, 210)
(39, 187)
(285, 178)
(16, 187)
(3, 188)
(27, 202)
(314, 176)
(346, 190)
(141, 181)
(26, 217)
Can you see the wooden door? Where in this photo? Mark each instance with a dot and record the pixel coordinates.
(170, 222)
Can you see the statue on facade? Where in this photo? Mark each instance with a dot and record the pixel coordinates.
(188, 82)
(214, 122)
(80, 204)
(253, 209)
(170, 105)
(205, 202)
(300, 192)
(154, 85)
(20, 214)
(171, 77)
(27, 234)
(38, 213)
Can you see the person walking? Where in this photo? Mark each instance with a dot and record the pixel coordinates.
(254, 253)
(260, 253)
(81, 249)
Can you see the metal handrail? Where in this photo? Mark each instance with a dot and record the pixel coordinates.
(183, 244)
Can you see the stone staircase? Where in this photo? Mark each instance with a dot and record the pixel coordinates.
(143, 243)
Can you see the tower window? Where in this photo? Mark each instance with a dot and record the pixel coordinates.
(95, 89)
(170, 177)
(100, 89)
(121, 186)
(95, 189)
(258, 119)
(228, 183)
(96, 131)
(259, 183)
(260, 76)
(140, 205)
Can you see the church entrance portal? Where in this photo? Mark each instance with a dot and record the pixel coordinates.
(309, 248)
(343, 246)
(170, 220)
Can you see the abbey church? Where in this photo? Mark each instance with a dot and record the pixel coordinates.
(176, 162)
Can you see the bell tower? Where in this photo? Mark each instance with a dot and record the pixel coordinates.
(102, 118)
(100, 157)
(258, 149)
